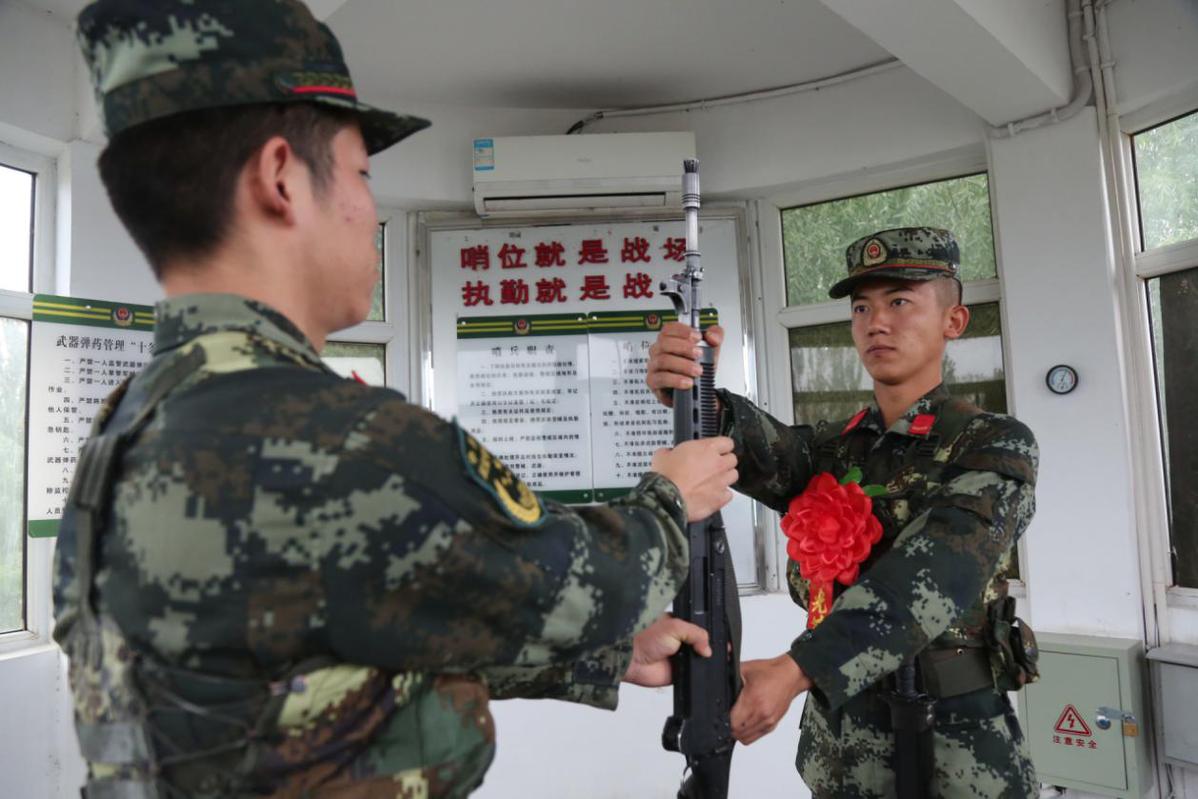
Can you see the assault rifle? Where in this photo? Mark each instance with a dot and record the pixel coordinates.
(704, 688)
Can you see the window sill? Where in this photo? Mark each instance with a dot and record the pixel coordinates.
(24, 643)
(1178, 597)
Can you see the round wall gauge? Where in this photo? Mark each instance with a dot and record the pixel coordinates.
(1061, 379)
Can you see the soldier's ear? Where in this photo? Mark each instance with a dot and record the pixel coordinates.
(274, 178)
(956, 319)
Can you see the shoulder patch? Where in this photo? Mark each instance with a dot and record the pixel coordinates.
(517, 500)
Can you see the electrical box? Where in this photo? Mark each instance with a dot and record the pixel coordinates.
(1085, 718)
(1174, 670)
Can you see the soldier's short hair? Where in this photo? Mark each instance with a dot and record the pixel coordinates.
(172, 180)
(949, 290)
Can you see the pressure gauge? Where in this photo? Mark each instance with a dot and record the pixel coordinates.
(1061, 379)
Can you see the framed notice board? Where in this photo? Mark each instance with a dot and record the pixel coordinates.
(535, 337)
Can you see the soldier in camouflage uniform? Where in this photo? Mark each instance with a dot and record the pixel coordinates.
(273, 581)
(959, 493)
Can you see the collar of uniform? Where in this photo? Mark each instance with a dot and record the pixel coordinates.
(871, 421)
(183, 318)
(928, 403)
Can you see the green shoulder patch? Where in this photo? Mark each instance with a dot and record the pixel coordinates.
(517, 500)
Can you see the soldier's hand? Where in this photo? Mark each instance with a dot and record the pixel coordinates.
(653, 646)
(770, 686)
(672, 358)
(703, 470)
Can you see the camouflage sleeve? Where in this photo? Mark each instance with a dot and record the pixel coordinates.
(445, 562)
(940, 564)
(594, 679)
(66, 588)
(774, 460)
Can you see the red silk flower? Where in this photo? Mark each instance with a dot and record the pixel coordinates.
(832, 528)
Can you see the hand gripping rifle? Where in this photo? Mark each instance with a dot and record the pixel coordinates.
(704, 688)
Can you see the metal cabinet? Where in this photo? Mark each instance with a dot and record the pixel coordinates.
(1175, 686)
(1085, 718)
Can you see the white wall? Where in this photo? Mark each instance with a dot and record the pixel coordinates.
(432, 169)
(96, 258)
(1153, 44)
(1058, 285)
(39, 757)
(39, 78)
(747, 149)
(582, 753)
(37, 72)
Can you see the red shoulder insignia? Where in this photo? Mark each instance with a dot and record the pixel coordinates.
(921, 425)
(856, 420)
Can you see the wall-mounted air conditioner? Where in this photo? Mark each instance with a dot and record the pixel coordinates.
(559, 175)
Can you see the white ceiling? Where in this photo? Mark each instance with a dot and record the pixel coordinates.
(591, 53)
(581, 54)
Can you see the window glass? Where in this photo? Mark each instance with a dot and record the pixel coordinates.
(368, 361)
(377, 307)
(829, 382)
(814, 237)
(1174, 307)
(16, 228)
(1167, 182)
(14, 349)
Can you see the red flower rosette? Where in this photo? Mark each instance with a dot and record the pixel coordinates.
(832, 528)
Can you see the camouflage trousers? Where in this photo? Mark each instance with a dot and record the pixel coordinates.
(848, 755)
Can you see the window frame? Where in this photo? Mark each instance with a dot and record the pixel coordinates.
(780, 318)
(39, 552)
(1174, 603)
(390, 332)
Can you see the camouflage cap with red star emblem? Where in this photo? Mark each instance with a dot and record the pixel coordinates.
(905, 253)
(151, 59)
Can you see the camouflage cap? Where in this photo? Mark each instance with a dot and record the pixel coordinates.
(904, 253)
(154, 58)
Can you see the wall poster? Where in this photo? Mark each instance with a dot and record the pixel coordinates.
(79, 352)
(540, 347)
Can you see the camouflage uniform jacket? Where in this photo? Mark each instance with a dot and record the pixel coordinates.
(948, 538)
(275, 525)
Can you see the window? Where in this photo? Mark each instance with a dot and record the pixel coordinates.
(16, 228)
(364, 360)
(14, 348)
(1166, 160)
(814, 237)
(377, 306)
(365, 351)
(1166, 169)
(17, 213)
(828, 380)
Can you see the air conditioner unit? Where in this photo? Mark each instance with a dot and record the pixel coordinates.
(558, 175)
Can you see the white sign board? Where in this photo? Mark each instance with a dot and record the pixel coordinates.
(540, 338)
(80, 351)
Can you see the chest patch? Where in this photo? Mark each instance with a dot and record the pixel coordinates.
(514, 498)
